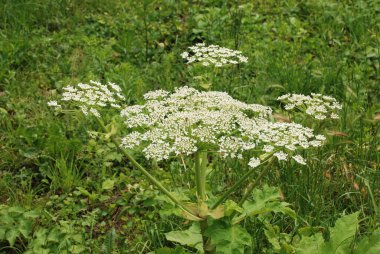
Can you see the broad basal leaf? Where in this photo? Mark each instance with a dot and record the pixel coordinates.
(310, 244)
(228, 239)
(190, 237)
(369, 245)
(341, 236)
(11, 236)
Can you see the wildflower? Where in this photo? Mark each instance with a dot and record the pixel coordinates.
(213, 55)
(268, 148)
(320, 137)
(53, 104)
(299, 159)
(317, 105)
(90, 97)
(281, 156)
(84, 109)
(131, 140)
(254, 162)
(95, 112)
(188, 120)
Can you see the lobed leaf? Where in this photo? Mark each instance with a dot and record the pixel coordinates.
(228, 239)
(191, 237)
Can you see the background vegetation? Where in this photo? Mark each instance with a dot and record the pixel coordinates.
(60, 190)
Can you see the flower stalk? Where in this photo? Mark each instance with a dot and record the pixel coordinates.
(151, 178)
(239, 183)
(200, 175)
(252, 185)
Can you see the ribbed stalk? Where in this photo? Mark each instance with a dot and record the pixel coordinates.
(151, 178)
(200, 175)
(251, 186)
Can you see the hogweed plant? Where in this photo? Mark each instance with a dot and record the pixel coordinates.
(213, 55)
(203, 126)
(318, 106)
(90, 97)
(211, 59)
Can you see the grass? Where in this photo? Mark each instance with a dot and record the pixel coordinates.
(293, 46)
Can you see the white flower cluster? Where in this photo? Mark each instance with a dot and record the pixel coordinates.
(91, 96)
(213, 55)
(189, 120)
(317, 105)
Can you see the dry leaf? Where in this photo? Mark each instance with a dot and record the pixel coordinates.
(337, 134)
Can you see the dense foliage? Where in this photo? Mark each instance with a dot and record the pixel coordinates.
(64, 188)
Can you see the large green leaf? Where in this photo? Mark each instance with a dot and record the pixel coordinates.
(369, 245)
(341, 236)
(263, 201)
(11, 236)
(280, 241)
(228, 239)
(25, 227)
(108, 184)
(190, 237)
(231, 207)
(310, 244)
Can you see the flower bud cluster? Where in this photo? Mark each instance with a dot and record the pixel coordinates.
(90, 97)
(213, 55)
(188, 120)
(317, 105)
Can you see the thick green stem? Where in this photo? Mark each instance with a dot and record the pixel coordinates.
(200, 175)
(237, 185)
(151, 178)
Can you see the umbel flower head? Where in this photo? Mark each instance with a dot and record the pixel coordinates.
(317, 105)
(213, 55)
(188, 120)
(90, 97)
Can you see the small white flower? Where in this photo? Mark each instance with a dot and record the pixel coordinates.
(254, 162)
(317, 105)
(291, 147)
(53, 104)
(84, 109)
(268, 148)
(320, 116)
(131, 141)
(95, 112)
(114, 105)
(320, 137)
(185, 55)
(154, 95)
(115, 87)
(213, 55)
(159, 150)
(281, 156)
(89, 97)
(289, 106)
(299, 159)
